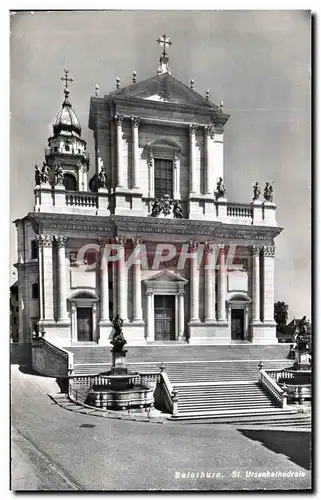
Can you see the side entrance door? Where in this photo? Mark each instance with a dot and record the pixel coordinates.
(164, 317)
(237, 324)
(84, 324)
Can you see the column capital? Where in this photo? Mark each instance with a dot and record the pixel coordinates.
(193, 246)
(120, 240)
(222, 250)
(135, 120)
(209, 131)
(192, 127)
(135, 241)
(119, 120)
(149, 292)
(181, 293)
(210, 247)
(61, 241)
(44, 240)
(256, 249)
(150, 158)
(268, 250)
(73, 307)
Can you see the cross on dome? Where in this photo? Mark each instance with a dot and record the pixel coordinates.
(66, 79)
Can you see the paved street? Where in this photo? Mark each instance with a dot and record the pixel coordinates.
(123, 455)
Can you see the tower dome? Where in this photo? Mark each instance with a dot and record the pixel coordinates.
(66, 120)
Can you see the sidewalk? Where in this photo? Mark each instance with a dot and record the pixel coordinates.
(25, 475)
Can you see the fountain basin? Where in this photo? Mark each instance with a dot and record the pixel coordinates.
(137, 397)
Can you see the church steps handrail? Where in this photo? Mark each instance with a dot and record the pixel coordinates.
(280, 374)
(50, 358)
(271, 387)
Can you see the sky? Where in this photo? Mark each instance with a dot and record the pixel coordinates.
(256, 62)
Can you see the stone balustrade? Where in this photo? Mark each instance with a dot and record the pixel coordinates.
(270, 386)
(59, 200)
(81, 200)
(239, 210)
(50, 360)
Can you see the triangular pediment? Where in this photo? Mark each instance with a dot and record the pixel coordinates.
(164, 88)
(166, 276)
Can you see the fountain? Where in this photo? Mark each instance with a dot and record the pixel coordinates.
(298, 377)
(120, 388)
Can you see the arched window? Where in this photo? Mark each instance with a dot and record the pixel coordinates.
(70, 182)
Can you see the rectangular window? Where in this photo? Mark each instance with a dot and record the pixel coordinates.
(35, 291)
(163, 178)
(34, 249)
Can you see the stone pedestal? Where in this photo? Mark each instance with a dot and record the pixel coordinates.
(302, 360)
(119, 362)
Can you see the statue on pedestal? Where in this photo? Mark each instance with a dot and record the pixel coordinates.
(166, 204)
(156, 209)
(118, 340)
(45, 171)
(268, 192)
(37, 176)
(177, 211)
(102, 176)
(220, 188)
(256, 191)
(59, 175)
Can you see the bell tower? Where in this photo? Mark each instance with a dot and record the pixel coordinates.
(67, 151)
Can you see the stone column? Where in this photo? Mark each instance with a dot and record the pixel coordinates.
(192, 157)
(104, 287)
(209, 134)
(94, 316)
(256, 284)
(137, 289)
(194, 283)
(120, 166)
(40, 270)
(181, 318)
(150, 162)
(150, 316)
(48, 292)
(73, 322)
(135, 152)
(62, 291)
(209, 271)
(122, 281)
(176, 178)
(222, 275)
(268, 280)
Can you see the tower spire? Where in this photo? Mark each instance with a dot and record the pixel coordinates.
(164, 42)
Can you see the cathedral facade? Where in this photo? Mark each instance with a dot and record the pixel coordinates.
(151, 235)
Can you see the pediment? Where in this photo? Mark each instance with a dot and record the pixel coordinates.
(165, 276)
(164, 88)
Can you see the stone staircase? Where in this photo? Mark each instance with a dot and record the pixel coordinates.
(213, 383)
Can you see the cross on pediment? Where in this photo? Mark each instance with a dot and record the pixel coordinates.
(165, 42)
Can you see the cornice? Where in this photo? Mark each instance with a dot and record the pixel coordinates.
(142, 226)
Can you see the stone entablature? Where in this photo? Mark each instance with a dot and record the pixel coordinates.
(115, 224)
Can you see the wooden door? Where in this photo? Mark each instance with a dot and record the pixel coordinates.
(237, 324)
(84, 324)
(164, 310)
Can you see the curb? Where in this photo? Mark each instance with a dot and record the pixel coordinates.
(76, 407)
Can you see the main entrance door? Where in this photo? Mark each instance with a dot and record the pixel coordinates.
(164, 317)
(237, 324)
(84, 324)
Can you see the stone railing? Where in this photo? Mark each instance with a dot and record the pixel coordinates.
(165, 394)
(270, 386)
(50, 360)
(239, 210)
(297, 384)
(78, 199)
(280, 374)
